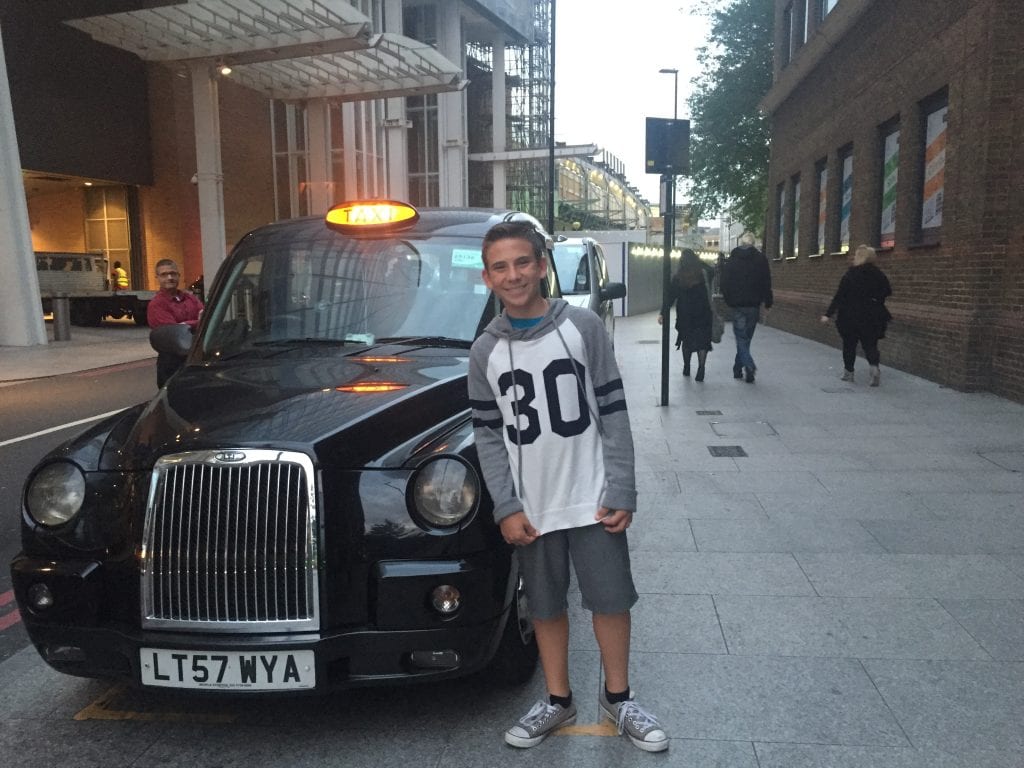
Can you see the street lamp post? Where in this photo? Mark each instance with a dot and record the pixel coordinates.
(669, 217)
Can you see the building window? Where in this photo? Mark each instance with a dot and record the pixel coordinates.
(106, 224)
(794, 220)
(789, 42)
(934, 112)
(845, 197)
(808, 16)
(890, 172)
(780, 210)
(821, 172)
(827, 6)
(420, 23)
(291, 192)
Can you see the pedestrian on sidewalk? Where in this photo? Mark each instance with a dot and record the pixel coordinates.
(168, 307)
(554, 441)
(746, 286)
(690, 290)
(861, 314)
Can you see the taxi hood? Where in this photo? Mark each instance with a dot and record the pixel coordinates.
(293, 401)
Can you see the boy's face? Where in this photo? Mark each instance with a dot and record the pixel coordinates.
(514, 273)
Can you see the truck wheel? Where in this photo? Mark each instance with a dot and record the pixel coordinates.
(139, 314)
(516, 657)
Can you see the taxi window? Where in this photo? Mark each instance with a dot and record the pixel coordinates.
(353, 291)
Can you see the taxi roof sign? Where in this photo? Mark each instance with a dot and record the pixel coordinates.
(369, 216)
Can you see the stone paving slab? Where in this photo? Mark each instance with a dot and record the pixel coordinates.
(954, 705)
(977, 533)
(846, 628)
(997, 625)
(702, 573)
(829, 535)
(942, 576)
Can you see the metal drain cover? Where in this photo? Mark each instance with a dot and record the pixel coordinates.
(709, 413)
(727, 451)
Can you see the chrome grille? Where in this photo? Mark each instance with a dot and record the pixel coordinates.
(229, 544)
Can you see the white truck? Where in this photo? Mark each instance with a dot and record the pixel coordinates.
(84, 278)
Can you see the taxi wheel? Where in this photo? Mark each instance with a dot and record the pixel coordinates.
(516, 657)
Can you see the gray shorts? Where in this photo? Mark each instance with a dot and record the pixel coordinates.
(601, 562)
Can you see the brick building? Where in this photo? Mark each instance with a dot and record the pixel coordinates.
(900, 124)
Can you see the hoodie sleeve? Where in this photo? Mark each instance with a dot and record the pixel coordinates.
(616, 435)
(488, 429)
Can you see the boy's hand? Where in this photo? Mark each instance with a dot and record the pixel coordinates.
(516, 529)
(614, 520)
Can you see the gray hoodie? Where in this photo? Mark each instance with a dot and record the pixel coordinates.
(550, 419)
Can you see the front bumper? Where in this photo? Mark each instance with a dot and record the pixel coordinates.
(75, 638)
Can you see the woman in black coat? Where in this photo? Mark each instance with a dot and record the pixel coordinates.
(862, 316)
(689, 291)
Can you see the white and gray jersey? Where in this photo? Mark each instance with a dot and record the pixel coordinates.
(550, 419)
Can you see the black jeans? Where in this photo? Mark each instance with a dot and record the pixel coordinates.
(868, 342)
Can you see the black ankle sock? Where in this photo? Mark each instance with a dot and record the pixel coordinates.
(616, 698)
(563, 701)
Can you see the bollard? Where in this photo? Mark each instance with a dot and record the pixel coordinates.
(61, 318)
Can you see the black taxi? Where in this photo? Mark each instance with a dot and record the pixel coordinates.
(300, 507)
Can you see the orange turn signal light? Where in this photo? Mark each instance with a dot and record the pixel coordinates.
(371, 216)
(367, 387)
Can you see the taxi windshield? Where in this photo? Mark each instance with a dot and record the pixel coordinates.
(572, 267)
(326, 289)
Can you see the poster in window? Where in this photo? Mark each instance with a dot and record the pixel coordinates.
(844, 213)
(934, 169)
(796, 217)
(890, 172)
(822, 207)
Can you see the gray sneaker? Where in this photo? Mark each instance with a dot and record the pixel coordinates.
(641, 726)
(543, 718)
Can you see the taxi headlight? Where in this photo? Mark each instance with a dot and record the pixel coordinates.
(445, 491)
(55, 494)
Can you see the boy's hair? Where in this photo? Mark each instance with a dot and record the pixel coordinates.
(515, 230)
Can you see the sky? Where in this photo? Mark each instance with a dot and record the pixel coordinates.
(607, 83)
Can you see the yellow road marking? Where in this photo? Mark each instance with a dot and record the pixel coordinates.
(604, 728)
(102, 709)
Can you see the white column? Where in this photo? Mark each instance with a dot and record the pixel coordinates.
(451, 112)
(498, 132)
(209, 172)
(21, 322)
(321, 188)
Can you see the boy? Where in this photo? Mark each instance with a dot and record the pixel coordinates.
(553, 436)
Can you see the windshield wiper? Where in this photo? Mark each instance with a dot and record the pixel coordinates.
(427, 341)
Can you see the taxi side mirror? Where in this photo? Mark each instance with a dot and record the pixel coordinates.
(173, 339)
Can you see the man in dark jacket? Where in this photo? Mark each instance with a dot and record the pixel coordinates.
(746, 285)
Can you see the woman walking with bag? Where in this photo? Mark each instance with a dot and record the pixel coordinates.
(694, 316)
(862, 316)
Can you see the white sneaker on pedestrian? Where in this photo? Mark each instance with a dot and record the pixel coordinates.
(640, 726)
(847, 376)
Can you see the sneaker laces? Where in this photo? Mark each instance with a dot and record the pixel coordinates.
(538, 713)
(643, 721)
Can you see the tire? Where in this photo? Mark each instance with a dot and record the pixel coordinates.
(516, 658)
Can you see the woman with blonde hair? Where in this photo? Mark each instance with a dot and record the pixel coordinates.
(861, 315)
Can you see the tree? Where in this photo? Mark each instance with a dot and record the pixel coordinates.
(729, 135)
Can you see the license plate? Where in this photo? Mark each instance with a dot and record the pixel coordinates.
(228, 670)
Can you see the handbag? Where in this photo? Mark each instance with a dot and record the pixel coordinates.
(717, 324)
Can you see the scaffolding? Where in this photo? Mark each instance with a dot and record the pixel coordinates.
(528, 74)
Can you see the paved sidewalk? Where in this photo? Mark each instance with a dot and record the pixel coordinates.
(848, 592)
(115, 342)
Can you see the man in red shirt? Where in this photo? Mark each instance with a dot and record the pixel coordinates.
(168, 307)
